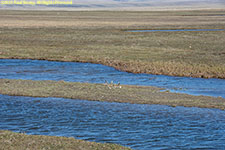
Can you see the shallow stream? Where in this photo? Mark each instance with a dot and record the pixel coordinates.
(138, 126)
(96, 73)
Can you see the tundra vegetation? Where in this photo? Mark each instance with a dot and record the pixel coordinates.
(102, 37)
(18, 141)
(106, 92)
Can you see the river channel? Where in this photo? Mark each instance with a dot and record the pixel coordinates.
(139, 126)
(97, 73)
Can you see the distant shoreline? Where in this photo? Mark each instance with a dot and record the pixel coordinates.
(118, 5)
(111, 8)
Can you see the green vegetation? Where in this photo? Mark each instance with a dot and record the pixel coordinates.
(100, 37)
(18, 141)
(106, 92)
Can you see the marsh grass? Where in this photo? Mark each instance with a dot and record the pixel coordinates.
(106, 92)
(20, 141)
(101, 37)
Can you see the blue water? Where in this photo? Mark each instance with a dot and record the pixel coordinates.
(175, 30)
(96, 73)
(138, 126)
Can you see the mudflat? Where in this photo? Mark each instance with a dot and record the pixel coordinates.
(101, 37)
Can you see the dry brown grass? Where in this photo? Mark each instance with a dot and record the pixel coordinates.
(19, 141)
(110, 19)
(99, 37)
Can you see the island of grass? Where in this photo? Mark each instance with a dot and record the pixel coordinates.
(102, 37)
(18, 141)
(106, 92)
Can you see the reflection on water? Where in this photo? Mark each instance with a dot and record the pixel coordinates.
(138, 126)
(175, 30)
(96, 73)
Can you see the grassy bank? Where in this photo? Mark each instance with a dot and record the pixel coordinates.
(100, 37)
(106, 92)
(18, 141)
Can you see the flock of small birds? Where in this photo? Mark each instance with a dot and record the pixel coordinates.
(112, 85)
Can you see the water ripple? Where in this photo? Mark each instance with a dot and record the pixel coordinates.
(96, 73)
(138, 126)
